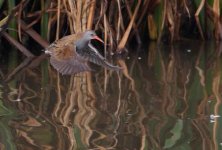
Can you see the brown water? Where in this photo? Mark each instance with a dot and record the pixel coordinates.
(167, 97)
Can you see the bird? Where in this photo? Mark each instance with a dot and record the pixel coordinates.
(71, 54)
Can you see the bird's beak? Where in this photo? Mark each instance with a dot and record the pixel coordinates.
(97, 38)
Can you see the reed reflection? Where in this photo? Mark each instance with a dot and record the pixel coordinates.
(162, 99)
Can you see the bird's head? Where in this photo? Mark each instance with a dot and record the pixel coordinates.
(91, 35)
(86, 38)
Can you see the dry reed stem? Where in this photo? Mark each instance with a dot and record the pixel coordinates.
(127, 32)
(152, 28)
(21, 67)
(134, 24)
(218, 25)
(186, 8)
(163, 21)
(18, 45)
(69, 15)
(145, 9)
(105, 33)
(4, 23)
(19, 25)
(170, 19)
(58, 19)
(34, 35)
(91, 14)
(197, 18)
(120, 18)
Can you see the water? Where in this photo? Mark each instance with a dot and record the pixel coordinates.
(168, 97)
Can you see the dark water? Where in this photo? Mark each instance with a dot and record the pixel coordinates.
(167, 97)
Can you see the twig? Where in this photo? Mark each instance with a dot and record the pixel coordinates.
(25, 51)
(34, 35)
(18, 69)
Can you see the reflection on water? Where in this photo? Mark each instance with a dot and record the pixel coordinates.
(167, 97)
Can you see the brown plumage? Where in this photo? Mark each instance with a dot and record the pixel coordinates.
(70, 54)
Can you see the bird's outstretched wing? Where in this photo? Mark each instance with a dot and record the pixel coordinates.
(69, 66)
(64, 59)
(92, 55)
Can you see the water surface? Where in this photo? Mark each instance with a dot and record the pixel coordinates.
(167, 97)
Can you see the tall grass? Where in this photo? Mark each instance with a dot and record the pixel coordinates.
(121, 21)
(13, 55)
(44, 35)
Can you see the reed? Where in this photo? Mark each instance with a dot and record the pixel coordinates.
(119, 20)
(44, 34)
(13, 54)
